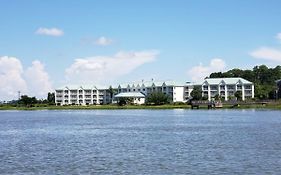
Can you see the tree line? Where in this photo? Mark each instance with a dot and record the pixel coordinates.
(264, 79)
(31, 101)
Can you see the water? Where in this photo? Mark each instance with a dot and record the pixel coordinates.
(140, 142)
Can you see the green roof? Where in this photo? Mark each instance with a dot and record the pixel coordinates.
(215, 81)
(130, 95)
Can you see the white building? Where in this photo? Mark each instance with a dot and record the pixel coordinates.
(87, 95)
(227, 87)
(178, 92)
(82, 95)
(137, 97)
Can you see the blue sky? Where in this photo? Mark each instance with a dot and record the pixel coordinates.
(182, 40)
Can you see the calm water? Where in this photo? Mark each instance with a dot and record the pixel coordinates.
(140, 142)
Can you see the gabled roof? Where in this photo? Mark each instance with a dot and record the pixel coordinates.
(215, 81)
(173, 83)
(130, 95)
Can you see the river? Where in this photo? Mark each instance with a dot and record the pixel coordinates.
(140, 142)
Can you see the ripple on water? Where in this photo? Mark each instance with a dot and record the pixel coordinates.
(140, 142)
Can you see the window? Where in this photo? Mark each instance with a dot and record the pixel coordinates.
(205, 88)
(214, 88)
(239, 87)
(248, 87)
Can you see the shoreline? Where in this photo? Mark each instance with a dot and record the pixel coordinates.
(275, 106)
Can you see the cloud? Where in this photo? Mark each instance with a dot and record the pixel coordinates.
(278, 36)
(11, 78)
(103, 41)
(49, 31)
(199, 72)
(37, 80)
(266, 53)
(101, 69)
(34, 81)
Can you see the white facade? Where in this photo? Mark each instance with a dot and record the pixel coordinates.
(71, 95)
(137, 97)
(226, 88)
(178, 92)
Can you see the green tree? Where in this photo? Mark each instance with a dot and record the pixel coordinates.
(111, 91)
(125, 100)
(264, 79)
(50, 98)
(27, 101)
(238, 95)
(157, 98)
(196, 93)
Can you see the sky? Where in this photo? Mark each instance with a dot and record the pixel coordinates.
(48, 44)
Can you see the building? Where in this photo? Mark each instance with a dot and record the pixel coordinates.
(82, 95)
(92, 95)
(178, 92)
(226, 88)
(137, 97)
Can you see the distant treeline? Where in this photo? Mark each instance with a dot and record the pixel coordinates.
(264, 79)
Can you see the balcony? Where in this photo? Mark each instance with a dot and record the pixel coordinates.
(248, 87)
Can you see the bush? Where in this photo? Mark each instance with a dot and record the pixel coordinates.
(157, 98)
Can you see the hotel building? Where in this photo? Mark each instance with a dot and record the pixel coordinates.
(177, 92)
(86, 95)
(226, 88)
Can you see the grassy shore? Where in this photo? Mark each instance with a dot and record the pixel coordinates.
(274, 106)
(93, 107)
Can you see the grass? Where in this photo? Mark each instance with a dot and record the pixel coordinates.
(93, 107)
(274, 106)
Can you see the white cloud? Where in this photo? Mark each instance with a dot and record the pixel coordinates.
(199, 72)
(101, 69)
(103, 41)
(278, 36)
(267, 54)
(49, 31)
(11, 78)
(34, 81)
(37, 80)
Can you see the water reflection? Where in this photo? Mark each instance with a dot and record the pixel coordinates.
(140, 142)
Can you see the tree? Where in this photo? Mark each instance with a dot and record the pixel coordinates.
(238, 95)
(27, 101)
(157, 98)
(196, 93)
(264, 79)
(51, 98)
(124, 100)
(111, 91)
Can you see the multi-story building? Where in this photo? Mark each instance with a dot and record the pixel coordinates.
(86, 95)
(178, 92)
(226, 88)
(82, 95)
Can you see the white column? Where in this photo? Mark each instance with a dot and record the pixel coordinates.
(209, 93)
(243, 92)
(77, 97)
(253, 91)
(225, 93)
(62, 97)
